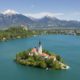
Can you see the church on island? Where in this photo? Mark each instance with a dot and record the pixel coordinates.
(39, 51)
(39, 57)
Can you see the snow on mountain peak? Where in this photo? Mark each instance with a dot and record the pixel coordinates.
(9, 12)
(43, 14)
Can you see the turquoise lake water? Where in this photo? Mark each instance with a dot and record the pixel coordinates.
(68, 46)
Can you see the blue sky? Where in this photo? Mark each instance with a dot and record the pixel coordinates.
(63, 9)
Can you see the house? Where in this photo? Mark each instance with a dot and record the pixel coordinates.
(35, 51)
(44, 55)
(38, 51)
(52, 57)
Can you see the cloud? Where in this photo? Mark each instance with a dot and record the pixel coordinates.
(9, 11)
(76, 13)
(42, 14)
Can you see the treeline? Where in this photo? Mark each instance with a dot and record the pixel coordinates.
(22, 32)
(16, 32)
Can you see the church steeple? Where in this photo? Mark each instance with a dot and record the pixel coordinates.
(40, 48)
(40, 43)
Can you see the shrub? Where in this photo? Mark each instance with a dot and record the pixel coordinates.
(42, 64)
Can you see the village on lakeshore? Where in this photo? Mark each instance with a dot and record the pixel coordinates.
(38, 57)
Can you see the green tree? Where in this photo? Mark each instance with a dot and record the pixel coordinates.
(42, 64)
(56, 65)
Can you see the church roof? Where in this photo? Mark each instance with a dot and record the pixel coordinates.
(44, 54)
(34, 50)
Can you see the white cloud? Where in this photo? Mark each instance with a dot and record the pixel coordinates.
(73, 16)
(76, 13)
(42, 14)
(9, 11)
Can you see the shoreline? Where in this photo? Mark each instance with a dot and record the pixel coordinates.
(21, 32)
(4, 40)
(45, 60)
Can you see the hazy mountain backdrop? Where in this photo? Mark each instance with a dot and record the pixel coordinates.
(15, 19)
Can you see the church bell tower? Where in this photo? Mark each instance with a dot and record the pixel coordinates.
(40, 48)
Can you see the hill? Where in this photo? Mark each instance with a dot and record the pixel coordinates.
(11, 18)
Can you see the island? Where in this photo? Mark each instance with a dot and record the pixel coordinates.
(41, 58)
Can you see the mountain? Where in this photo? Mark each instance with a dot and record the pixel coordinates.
(52, 22)
(10, 18)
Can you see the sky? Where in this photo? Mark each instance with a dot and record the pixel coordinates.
(63, 9)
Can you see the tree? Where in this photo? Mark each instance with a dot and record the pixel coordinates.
(59, 58)
(49, 62)
(56, 65)
(42, 64)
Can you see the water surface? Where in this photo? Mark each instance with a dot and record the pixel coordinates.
(67, 46)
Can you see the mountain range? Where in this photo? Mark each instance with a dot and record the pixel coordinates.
(12, 18)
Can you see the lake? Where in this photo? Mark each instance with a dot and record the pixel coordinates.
(68, 46)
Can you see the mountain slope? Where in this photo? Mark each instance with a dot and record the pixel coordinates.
(11, 18)
(14, 20)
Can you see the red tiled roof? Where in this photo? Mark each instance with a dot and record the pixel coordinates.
(44, 54)
(34, 50)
